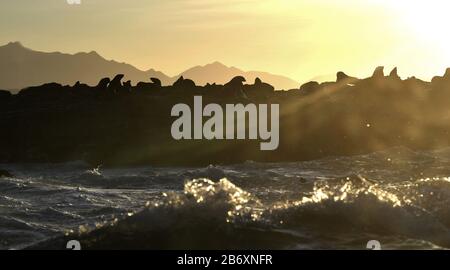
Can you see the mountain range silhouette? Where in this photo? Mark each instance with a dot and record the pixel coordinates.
(21, 67)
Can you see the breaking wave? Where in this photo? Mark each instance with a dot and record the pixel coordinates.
(337, 213)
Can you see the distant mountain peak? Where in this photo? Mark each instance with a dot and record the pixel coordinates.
(213, 65)
(217, 72)
(14, 45)
(217, 63)
(91, 53)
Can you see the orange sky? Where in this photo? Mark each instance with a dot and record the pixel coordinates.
(299, 39)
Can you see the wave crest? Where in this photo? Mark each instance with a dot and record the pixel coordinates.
(221, 215)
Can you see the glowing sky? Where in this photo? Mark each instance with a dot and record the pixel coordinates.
(300, 39)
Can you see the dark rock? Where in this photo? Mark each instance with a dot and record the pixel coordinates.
(134, 129)
(48, 91)
(5, 94)
(4, 173)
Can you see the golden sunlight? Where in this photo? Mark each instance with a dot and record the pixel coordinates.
(427, 20)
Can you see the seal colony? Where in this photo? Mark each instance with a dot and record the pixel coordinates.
(116, 123)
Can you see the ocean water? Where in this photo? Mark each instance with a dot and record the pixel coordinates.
(398, 197)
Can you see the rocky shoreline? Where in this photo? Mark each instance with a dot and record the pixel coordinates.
(5, 173)
(118, 124)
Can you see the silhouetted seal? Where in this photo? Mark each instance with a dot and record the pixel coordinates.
(79, 85)
(153, 85)
(235, 82)
(440, 79)
(259, 89)
(183, 83)
(262, 86)
(394, 74)
(116, 84)
(379, 72)
(188, 83)
(447, 73)
(103, 84)
(234, 87)
(127, 87)
(156, 82)
(341, 76)
(178, 82)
